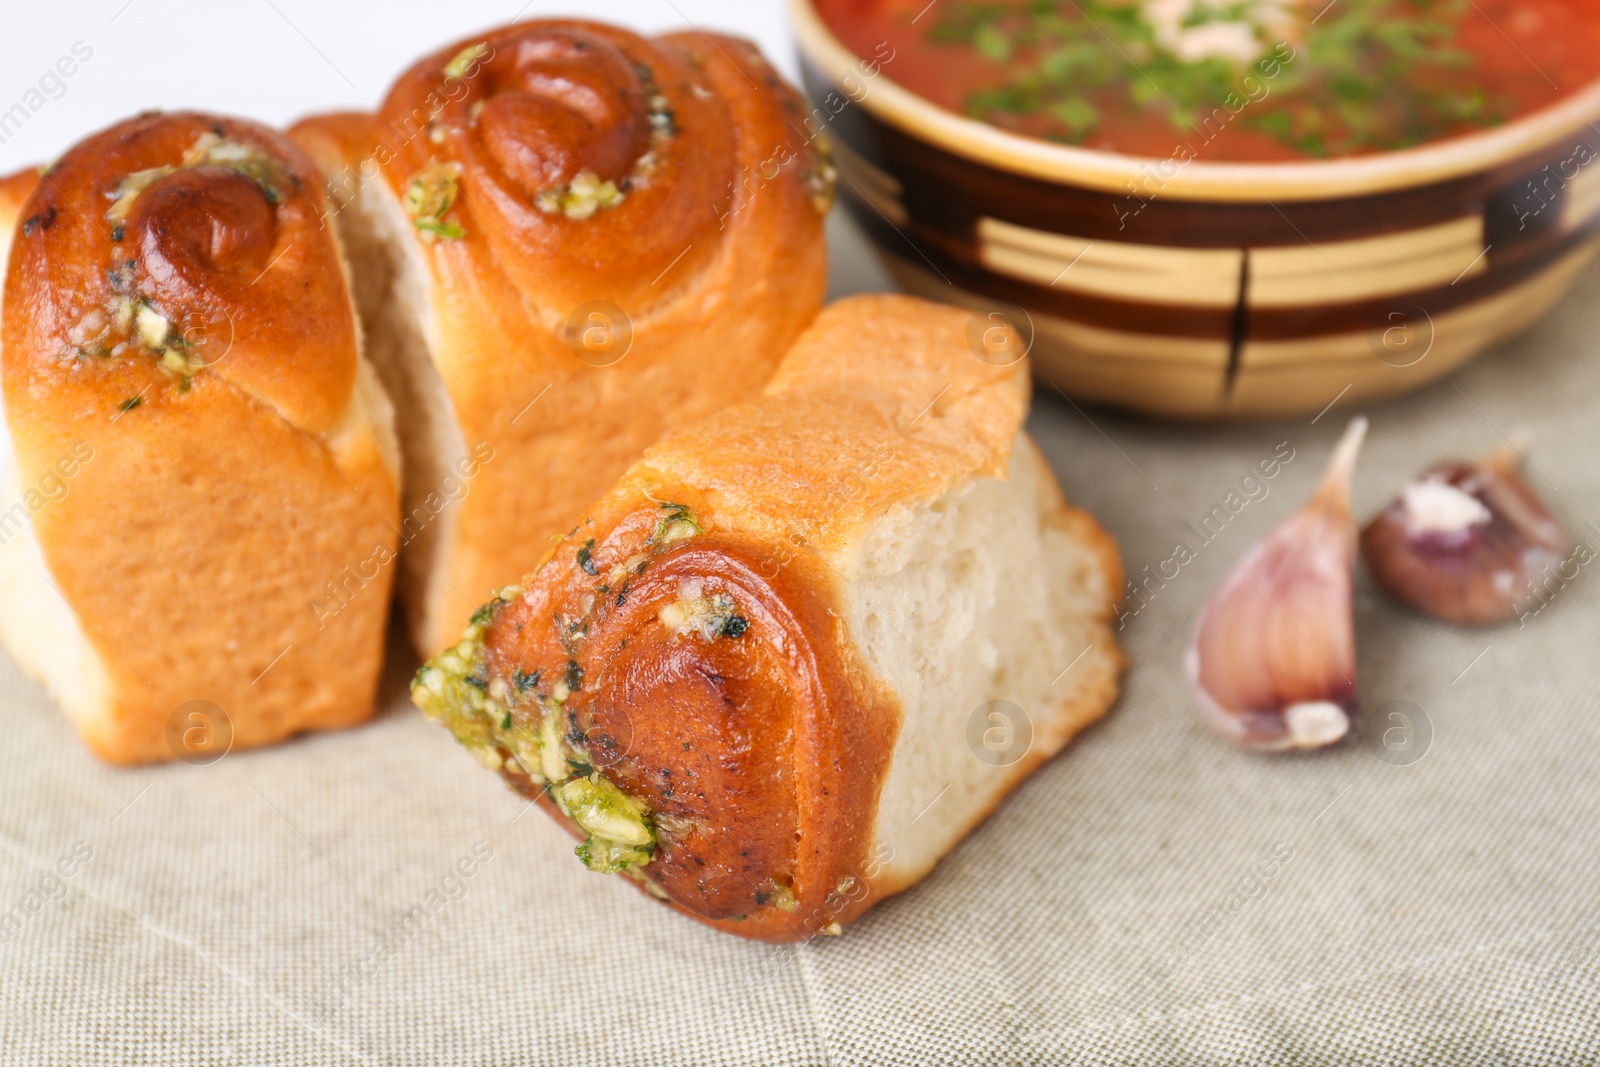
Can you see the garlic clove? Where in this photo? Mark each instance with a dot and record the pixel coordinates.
(1272, 663)
(1466, 542)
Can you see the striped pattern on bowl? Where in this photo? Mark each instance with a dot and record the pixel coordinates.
(1183, 288)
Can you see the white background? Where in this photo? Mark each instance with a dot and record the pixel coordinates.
(276, 60)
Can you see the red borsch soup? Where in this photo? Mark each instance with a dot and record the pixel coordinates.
(1232, 80)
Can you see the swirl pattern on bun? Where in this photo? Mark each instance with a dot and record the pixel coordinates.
(585, 238)
(801, 648)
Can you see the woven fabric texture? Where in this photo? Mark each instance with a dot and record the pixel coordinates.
(375, 897)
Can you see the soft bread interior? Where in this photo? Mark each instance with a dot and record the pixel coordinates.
(391, 291)
(370, 415)
(990, 592)
(37, 624)
(371, 411)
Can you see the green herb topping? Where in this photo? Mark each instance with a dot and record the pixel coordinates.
(580, 198)
(465, 59)
(456, 689)
(210, 149)
(675, 524)
(586, 194)
(1362, 75)
(429, 198)
(710, 616)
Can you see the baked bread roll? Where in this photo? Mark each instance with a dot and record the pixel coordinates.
(204, 467)
(569, 239)
(758, 678)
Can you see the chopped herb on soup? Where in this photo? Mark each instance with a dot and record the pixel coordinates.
(1232, 80)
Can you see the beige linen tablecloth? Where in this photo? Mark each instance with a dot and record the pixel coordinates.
(1152, 896)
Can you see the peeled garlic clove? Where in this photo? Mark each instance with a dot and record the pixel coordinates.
(1272, 665)
(1465, 542)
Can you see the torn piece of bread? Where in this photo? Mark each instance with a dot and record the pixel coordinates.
(802, 649)
(199, 477)
(568, 240)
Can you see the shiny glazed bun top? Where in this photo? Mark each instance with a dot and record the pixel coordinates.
(171, 250)
(587, 159)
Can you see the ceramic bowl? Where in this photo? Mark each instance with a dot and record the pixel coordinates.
(1191, 288)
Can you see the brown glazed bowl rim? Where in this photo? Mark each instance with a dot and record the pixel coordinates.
(1115, 172)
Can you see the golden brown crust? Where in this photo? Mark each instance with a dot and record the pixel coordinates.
(548, 101)
(758, 740)
(875, 376)
(200, 242)
(198, 340)
(714, 256)
(346, 146)
(753, 753)
(14, 192)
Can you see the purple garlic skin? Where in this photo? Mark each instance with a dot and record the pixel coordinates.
(1272, 664)
(1465, 541)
